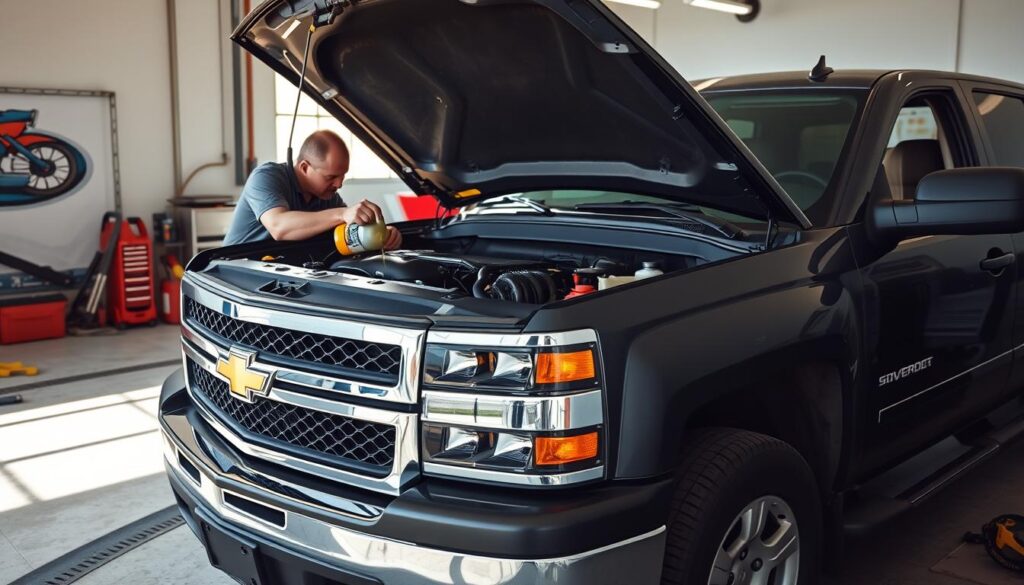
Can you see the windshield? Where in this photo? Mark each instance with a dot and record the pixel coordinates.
(799, 136)
(595, 200)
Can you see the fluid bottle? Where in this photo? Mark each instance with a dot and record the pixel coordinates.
(351, 238)
(650, 269)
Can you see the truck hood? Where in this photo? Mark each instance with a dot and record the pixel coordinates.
(470, 99)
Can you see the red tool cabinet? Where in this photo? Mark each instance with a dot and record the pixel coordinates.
(130, 288)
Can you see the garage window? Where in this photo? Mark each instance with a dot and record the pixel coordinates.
(1003, 117)
(364, 164)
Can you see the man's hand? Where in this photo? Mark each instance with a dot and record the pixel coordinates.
(362, 213)
(394, 240)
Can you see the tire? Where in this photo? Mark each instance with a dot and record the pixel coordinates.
(67, 172)
(725, 473)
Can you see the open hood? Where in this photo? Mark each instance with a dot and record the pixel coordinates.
(470, 99)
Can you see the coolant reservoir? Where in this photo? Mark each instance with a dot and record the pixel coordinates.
(351, 239)
(606, 282)
(650, 269)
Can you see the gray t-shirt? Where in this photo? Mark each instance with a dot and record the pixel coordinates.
(270, 185)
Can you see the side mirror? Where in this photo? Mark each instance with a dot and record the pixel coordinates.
(982, 200)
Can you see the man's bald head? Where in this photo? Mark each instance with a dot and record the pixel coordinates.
(322, 165)
(319, 145)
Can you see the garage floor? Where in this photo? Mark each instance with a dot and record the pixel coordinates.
(81, 457)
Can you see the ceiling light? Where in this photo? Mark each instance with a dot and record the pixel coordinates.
(654, 4)
(745, 10)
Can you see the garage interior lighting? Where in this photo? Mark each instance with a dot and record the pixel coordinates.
(745, 10)
(653, 4)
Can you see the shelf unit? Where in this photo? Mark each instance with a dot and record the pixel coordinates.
(202, 228)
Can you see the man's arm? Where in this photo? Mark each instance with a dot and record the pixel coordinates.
(284, 224)
(300, 225)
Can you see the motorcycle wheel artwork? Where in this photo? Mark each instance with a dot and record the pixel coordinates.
(65, 168)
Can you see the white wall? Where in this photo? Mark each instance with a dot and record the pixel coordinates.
(791, 34)
(992, 43)
(109, 45)
(205, 102)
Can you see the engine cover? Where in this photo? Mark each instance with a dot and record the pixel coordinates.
(432, 268)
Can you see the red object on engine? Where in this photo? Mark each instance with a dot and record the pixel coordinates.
(130, 288)
(584, 282)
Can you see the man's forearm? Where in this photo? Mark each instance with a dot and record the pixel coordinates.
(300, 225)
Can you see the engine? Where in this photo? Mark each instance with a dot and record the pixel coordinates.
(483, 277)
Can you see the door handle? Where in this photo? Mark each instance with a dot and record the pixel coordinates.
(998, 263)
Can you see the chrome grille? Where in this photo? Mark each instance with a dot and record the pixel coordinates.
(353, 354)
(345, 439)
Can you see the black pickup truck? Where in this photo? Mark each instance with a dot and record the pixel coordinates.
(667, 334)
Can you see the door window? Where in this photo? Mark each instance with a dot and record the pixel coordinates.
(1003, 118)
(914, 124)
(920, 144)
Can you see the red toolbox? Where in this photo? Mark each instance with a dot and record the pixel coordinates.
(32, 318)
(130, 294)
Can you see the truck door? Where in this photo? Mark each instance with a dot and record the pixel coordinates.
(999, 111)
(941, 323)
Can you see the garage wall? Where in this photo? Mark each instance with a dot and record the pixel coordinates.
(991, 41)
(791, 34)
(205, 101)
(89, 45)
(97, 45)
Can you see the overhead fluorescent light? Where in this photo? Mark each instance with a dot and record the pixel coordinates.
(653, 4)
(730, 6)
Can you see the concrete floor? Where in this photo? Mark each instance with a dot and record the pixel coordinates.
(81, 458)
(73, 356)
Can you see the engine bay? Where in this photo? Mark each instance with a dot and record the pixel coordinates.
(514, 268)
(524, 277)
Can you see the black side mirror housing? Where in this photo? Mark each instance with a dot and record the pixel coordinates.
(982, 200)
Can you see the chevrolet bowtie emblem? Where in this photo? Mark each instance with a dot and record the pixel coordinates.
(243, 381)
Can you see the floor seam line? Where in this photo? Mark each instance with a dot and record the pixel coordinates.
(15, 549)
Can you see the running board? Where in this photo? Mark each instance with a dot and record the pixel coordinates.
(889, 495)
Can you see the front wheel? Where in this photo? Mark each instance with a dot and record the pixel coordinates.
(65, 168)
(746, 512)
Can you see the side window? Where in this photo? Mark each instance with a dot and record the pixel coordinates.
(1003, 118)
(914, 123)
(920, 144)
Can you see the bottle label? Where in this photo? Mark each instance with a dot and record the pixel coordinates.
(350, 242)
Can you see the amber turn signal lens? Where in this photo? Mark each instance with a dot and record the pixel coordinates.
(562, 450)
(553, 368)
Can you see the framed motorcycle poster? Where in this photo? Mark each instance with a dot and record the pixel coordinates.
(58, 175)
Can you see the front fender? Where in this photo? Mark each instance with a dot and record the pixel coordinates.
(37, 137)
(780, 311)
(676, 369)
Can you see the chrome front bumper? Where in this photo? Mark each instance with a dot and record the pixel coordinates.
(636, 561)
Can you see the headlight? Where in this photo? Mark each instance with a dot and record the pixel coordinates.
(521, 409)
(471, 368)
(536, 369)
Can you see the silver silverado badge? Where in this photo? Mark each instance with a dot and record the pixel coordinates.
(905, 371)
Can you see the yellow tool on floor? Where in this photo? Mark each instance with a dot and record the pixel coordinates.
(8, 368)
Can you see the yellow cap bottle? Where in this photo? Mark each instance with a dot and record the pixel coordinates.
(351, 239)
